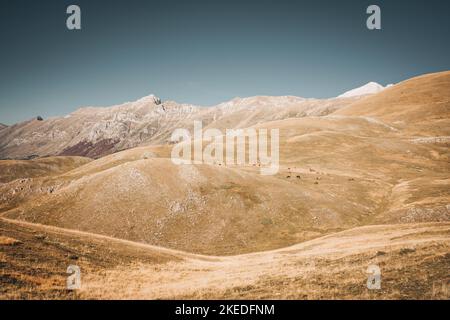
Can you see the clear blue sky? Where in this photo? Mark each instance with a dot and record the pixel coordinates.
(206, 52)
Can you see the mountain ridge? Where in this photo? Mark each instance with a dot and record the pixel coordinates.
(97, 131)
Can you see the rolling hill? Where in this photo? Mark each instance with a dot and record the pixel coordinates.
(413, 259)
(419, 106)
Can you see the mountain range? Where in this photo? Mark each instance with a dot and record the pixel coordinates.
(98, 131)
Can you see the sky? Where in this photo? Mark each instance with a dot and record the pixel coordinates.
(207, 52)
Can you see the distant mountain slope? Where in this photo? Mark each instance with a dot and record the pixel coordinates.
(24, 169)
(96, 131)
(23, 180)
(246, 112)
(93, 131)
(3, 126)
(420, 106)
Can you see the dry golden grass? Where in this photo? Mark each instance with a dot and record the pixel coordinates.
(413, 258)
(6, 241)
(24, 169)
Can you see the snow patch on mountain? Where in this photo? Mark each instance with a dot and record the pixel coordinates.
(369, 88)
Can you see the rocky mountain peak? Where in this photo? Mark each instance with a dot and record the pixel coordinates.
(150, 99)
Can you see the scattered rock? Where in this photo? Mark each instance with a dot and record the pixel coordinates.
(404, 251)
(148, 155)
(266, 221)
